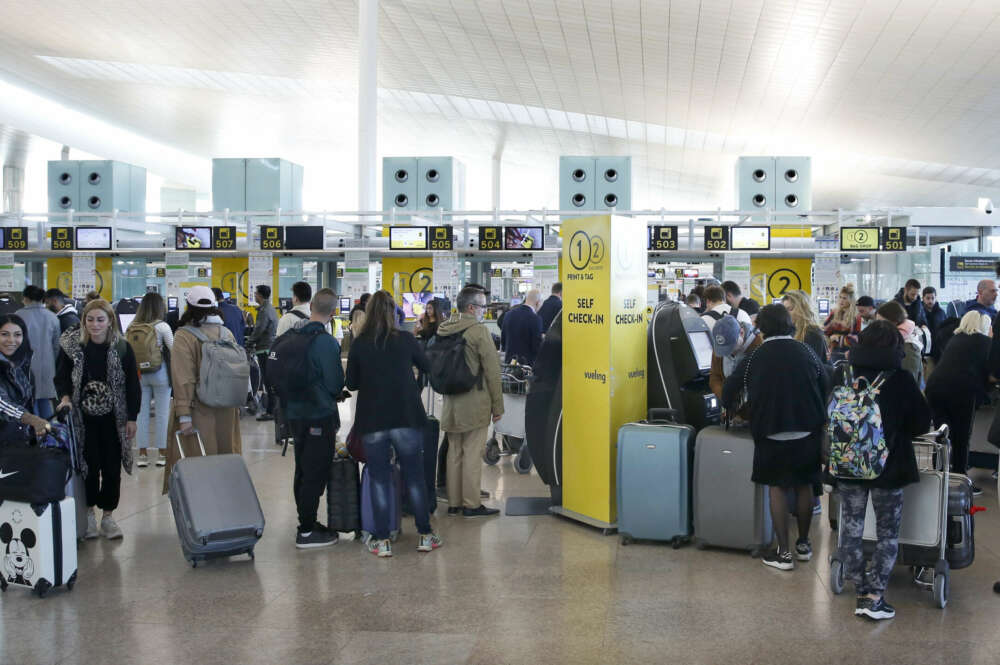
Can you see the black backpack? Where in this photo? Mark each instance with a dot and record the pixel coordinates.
(717, 315)
(288, 361)
(450, 373)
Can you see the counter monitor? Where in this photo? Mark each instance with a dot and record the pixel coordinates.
(193, 238)
(745, 238)
(408, 237)
(93, 237)
(524, 238)
(305, 237)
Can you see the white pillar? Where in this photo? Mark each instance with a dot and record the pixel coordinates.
(368, 105)
(13, 189)
(497, 165)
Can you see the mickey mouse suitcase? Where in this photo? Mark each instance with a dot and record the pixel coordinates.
(38, 544)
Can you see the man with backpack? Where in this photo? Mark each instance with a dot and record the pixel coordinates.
(716, 307)
(301, 296)
(465, 369)
(304, 368)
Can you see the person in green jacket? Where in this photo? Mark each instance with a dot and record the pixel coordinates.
(466, 417)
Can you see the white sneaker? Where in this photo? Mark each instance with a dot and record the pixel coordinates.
(110, 528)
(161, 460)
(91, 525)
(142, 462)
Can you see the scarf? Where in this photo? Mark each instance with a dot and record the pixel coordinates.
(70, 344)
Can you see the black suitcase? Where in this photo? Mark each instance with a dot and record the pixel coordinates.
(961, 550)
(432, 435)
(343, 496)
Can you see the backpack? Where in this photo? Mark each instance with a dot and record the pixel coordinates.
(857, 441)
(450, 373)
(148, 355)
(288, 367)
(955, 309)
(717, 315)
(224, 376)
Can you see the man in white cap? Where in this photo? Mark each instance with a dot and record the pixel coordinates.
(731, 340)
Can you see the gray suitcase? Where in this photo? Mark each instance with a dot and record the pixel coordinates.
(730, 510)
(215, 505)
(654, 491)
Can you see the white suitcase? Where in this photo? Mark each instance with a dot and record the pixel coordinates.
(39, 548)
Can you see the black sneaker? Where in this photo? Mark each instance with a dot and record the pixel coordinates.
(779, 560)
(454, 511)
(860, 604)
(923, 576)
(877, 609)
(803, 549)
(483, 494)
(481, 511)
(263, 417)
(976, 491)
(318, 537)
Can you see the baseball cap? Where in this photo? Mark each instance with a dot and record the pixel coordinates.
(865, 301)
(201, 296)
(726, 335)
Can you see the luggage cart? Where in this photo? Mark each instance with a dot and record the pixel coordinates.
(508, 432)
(933, 450)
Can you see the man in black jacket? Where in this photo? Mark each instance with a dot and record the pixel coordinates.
(734, 297)
(551, 306)
(909, 298)
(521, 334)
(935, 316)
(62, 307)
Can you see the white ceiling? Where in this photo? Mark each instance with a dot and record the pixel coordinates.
(895, 99)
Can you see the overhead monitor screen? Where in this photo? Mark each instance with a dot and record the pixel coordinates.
(701, 343)
(523, 238)
(858, 239)
(408, 237)
(414, 304)
(750, 237)
(193, 238)
(304, 237)
(93, 237)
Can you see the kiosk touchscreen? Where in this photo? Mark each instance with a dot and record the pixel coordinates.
(680, 358)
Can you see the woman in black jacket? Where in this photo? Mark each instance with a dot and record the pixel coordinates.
(389, 416)
(17, 393)
(786, 387)
(904, 415)
(959, 382)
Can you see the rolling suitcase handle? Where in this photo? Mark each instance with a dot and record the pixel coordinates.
(180, 448)
(660, 415)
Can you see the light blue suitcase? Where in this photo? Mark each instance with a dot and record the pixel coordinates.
(654, 481)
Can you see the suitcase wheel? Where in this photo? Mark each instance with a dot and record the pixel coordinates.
(250, 554)
(700, 544)
(492, 454)
(3, 584)
(42, 588)
(836, 576)
(194, 563)
(627, 540)
(676, 543)
(942, 585)
(522, 462)
(71, 582)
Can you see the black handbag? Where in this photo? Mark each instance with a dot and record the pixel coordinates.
(31, 474)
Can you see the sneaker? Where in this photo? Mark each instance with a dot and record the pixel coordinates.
(110, 528)
(803, 549)
(91, 526)
(429, 542)
(779, 560)
(380, 548)
(264, 417)
(923, 576)
(877, 609)
(860, 604)
(318, 537)
(454, 511)
(483, 494)
(976, 491)
(161, 460)
(481, 511)
(142, 462)
(817, 508)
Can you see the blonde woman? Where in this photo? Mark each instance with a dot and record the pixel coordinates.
(958, 381)
(807, 331)
(843, 325)
(97, 378)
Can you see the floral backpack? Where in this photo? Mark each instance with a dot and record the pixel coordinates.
(857, 441)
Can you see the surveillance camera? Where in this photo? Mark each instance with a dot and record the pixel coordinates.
(986, 205)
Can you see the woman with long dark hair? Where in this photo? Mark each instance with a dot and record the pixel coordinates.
(97, 377)
(390, 417)
(149, 321)
(17, 394)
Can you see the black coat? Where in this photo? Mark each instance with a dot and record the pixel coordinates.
(787, 386)
(548, 311)
(388, 396)
(915, 310)
(521, 335)
(963, 368)
(16, 386)
(904, 412)
(935, 317)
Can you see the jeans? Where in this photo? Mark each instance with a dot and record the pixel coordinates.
(155, 385)
(313, 456)
(408, 443)
(43, 408)
(888, 505)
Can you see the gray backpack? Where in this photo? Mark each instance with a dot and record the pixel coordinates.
(224, 377)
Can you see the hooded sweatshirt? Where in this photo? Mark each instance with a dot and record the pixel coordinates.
(474, 409)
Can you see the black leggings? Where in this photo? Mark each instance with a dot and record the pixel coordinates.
(103, 452)
(957, 411)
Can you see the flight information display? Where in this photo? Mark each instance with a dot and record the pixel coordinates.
(305, 237)
(524, 238)
(93, 237)
(408, 237)
(744, 238)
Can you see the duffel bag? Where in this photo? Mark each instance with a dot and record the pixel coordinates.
(32, 474)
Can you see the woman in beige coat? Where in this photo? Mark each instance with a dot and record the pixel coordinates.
(219, 427)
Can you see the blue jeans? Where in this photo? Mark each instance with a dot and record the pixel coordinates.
(155, 386)
(409, 445)
(43, 408)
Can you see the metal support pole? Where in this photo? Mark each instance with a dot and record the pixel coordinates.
(367, 104)
(13, 189)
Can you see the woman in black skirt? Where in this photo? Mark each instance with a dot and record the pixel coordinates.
(785, 386)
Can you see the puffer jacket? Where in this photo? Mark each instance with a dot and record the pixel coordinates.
(474, 409)
(16, 387)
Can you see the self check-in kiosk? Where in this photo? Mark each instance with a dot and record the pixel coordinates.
(680, 358)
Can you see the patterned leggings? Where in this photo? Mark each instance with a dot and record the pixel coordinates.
(888, 506)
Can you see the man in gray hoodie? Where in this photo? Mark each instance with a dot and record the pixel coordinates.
(43, 333)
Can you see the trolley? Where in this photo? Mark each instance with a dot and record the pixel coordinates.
(923, 534)
(508, 432)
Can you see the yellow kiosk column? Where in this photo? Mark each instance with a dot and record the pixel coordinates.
(604, 357)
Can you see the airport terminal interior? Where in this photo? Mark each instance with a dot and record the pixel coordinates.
(719, 271)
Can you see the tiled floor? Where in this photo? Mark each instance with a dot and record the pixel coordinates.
(504, 590)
